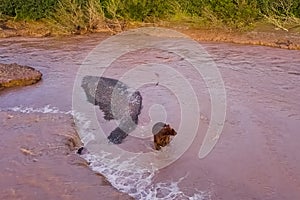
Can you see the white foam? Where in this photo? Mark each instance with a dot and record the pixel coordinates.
(83, 126)
(126, 175)
(46, 109)
(83, 123)
(130, 178)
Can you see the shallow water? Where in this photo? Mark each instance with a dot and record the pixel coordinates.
(256, 155)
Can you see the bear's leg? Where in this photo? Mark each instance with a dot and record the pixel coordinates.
(117, 136)
(156, 145)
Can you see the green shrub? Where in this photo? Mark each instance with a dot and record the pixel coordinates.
(192, 7)
(231, 13)
(28, 9)
(7, 7)
(138, 10)
(279, 7)
(235, 14)
(77, 15)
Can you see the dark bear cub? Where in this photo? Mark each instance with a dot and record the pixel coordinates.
(162, 134)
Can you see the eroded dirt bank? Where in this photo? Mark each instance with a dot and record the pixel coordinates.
(263, 34)
(268, 37)
(38, 160)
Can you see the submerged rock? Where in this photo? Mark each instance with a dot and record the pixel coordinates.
(117, 101)
(17, 75)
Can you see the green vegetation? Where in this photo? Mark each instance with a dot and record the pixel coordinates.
(27, 9)
(77, 15)
(74, 15)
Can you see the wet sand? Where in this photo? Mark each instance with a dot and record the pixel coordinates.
(39, 161)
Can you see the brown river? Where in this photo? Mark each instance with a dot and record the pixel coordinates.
(255, 153)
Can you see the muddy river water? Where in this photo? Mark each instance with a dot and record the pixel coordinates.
(255, 157)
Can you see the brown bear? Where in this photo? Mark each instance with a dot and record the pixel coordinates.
(162, 134)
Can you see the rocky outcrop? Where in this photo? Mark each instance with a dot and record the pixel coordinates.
(17, 75)
(117, 101)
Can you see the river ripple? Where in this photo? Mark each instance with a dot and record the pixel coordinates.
(257, 155)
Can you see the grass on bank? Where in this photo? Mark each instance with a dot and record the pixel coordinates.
(79, 16)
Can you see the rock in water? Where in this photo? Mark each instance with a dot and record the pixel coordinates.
(117, 101)
(17, 75)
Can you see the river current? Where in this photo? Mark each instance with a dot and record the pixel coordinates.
(256, 154)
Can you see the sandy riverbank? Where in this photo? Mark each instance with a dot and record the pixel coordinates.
(262, 34)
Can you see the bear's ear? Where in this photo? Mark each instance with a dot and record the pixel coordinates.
(167, 126)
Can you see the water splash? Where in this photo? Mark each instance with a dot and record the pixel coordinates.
(46, 109)
(136, 181)
(124, 175)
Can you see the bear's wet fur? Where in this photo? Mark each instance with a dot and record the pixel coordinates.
(117, 101)
(162, 134)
